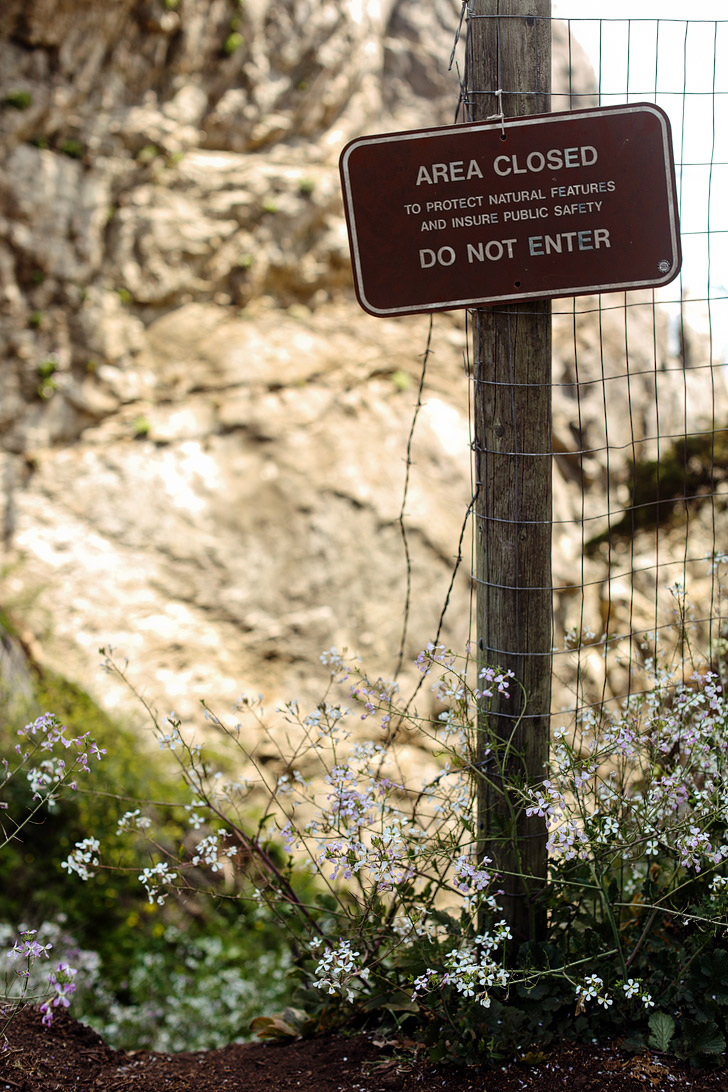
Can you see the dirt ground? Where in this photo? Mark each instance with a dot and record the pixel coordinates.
(71, 1058)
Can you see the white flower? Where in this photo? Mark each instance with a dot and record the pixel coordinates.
(337, 969)
(85, 854)
(154, 880)
(591, 990)
(133, 820)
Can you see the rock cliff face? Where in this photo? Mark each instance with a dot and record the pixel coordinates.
(204, 441)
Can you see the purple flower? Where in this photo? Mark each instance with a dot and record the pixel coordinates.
(62, 982)
(29, 948)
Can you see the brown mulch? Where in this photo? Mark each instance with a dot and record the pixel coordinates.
(71, 1058)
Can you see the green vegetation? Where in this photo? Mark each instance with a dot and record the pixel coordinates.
(688, 469)
(401, 927)
(32, 882)
(18, 100)
(72, 148)
(232, 43)
(401, 380)
(688, 472)
(46, 371)
(147, 154)
(141, 427)
(166, 977)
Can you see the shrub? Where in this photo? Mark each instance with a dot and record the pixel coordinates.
(133, 958)
(395, 914)
(405, 922)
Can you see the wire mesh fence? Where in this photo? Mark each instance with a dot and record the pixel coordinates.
(638, 390)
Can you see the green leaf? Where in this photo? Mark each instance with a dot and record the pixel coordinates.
(702, 1038)
(289, 1024)
(715, 966)
(662, 1029)
(438, 1051)
(535, 990)
(443, 918)
(326, 902)
(393, 1001)
(634, 1043)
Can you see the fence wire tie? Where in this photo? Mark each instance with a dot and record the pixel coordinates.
(501, 117)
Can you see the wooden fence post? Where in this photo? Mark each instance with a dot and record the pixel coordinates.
(509, 51)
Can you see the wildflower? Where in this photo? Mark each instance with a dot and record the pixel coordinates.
(568, 841)
(468, 877)
(29, 948)
(62, 982)
(132, 820)
(209, 852)
(290, 836)
(173, 738)
(336, 969)
(592, 989)
(154, 879)
(424, 982)
(471, 968)
(334, 660)
(692, 846)
(84, 854)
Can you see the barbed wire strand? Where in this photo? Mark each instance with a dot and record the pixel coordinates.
(638, 382)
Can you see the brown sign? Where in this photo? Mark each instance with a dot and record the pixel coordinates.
(550, 205)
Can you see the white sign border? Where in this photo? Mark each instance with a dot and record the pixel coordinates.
(514, 297)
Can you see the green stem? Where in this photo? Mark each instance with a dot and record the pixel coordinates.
(683, 969)
(610, 914)
(642, 938)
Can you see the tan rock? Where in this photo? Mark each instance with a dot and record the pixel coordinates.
(214, 484)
